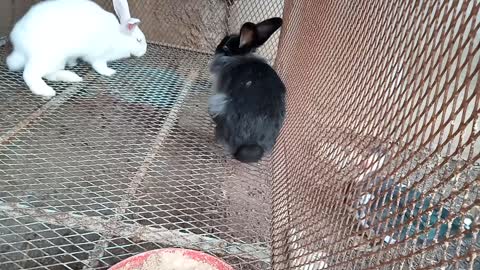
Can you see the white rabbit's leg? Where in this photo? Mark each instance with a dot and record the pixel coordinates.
(32, 75)
(72, 62)
(102, 68)
(16, 61)
(63, 76)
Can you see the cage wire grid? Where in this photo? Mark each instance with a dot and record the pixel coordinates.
(112, 167)
(126, 166)
(378, 163)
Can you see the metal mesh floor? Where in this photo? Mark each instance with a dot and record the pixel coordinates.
(112, 167)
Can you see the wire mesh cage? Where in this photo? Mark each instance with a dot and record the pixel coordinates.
(377, 166)
(378, 163)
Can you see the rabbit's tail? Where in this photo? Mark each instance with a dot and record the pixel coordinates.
(249, 153)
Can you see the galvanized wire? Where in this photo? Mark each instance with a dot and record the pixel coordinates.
(129, 160)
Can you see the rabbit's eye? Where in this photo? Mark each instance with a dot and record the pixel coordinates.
(139, 40)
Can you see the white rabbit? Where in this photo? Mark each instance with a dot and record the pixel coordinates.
(55, 33)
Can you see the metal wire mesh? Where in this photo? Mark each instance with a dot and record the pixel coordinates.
(198, 25)
(378, 163)
(131, 161)
(112, 167)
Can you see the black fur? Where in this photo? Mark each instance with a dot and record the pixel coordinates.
(249, 105)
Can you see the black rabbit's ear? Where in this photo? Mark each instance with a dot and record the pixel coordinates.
(266, 29)
(223, 43)
(247, 35)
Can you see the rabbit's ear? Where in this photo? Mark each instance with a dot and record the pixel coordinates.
(247, 35)
(132, 23)
(122, 10)
(266, 29)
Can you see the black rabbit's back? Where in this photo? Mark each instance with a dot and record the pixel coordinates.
(249, 104)
(255, 107)
(257, 86)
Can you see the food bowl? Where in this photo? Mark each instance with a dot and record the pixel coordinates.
(138, 261)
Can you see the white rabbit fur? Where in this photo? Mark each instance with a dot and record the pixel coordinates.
(55, 33)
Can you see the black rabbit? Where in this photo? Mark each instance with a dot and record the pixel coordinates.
(248, 106)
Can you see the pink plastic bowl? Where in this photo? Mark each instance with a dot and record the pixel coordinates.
(139, 259)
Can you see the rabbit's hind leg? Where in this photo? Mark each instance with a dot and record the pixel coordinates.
(63, 76)
(34, 70)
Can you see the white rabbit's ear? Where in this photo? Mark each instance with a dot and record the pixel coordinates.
(132, 23)
(122, 10)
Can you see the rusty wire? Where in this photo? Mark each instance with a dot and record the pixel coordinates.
(378, 163)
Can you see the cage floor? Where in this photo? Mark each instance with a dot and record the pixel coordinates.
(112, 167)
